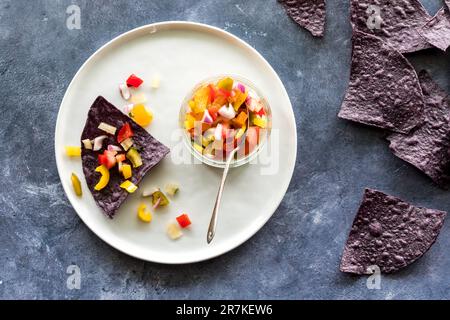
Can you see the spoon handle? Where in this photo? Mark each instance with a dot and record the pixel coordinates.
(213, 222)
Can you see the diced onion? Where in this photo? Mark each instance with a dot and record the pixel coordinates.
(124, 91)
(98, 142)
(227, 112)
(207, 117)
(107, 128)
(112, 147)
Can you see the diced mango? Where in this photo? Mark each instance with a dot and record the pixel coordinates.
(241, 119)
(189, 122)
(239, 99)
(142, 115)
(201, 98)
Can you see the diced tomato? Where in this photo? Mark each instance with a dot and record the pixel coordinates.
(134, 81)
(261, 112)
(125, 132)
(213, 112)
(212, 93)
(224, 92)
(183, 220)
(107, 159)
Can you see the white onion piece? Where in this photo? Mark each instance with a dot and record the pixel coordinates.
(98, 142)
(218, 132)
(107, 128)
(87, 144)
(124, 91)
(227, 112)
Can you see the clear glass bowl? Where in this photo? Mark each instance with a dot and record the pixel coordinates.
(263, 138)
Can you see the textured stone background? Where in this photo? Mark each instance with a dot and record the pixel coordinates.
(296, 255)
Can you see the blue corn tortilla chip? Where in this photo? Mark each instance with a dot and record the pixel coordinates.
(437, 31)
(389, 233)
(384, 89)
(310, 14)
(428, 146)
(151, 150)
(396, 22)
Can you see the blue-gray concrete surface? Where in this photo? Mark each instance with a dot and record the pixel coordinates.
(295, 256)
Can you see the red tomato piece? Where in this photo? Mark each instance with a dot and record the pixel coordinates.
(125, 132)
(183, 220)
(134, 81)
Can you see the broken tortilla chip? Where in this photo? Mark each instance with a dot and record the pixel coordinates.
(396, 22)
(310, 14)
(389, 233)
(427, 147)
(151, 151)
(437, 30)
(384, 89)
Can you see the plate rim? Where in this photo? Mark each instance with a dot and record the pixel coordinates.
(208, 28)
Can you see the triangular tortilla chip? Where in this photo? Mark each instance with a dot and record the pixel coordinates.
(437, 30)
(396, 22)
(384, 90)
(428, 146)
(151, 150)
(310, 14)
(389, 233)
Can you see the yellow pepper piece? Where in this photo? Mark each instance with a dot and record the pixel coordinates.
(104, 179)
(143, 214)
(129, 186)
(191, 104)
(201, 98)
(240, 132)
(76, 184)
(142, 115)
(73, 151)
(126, 171)
(198, 147)
(225, 83)
(260, 122)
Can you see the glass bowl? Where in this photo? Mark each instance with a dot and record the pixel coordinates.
(264, 133)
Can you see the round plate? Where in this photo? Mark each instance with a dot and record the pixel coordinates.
(181, 53)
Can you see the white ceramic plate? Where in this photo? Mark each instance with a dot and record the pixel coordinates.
(182, 53)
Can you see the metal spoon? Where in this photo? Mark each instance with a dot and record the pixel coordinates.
(213, 222)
